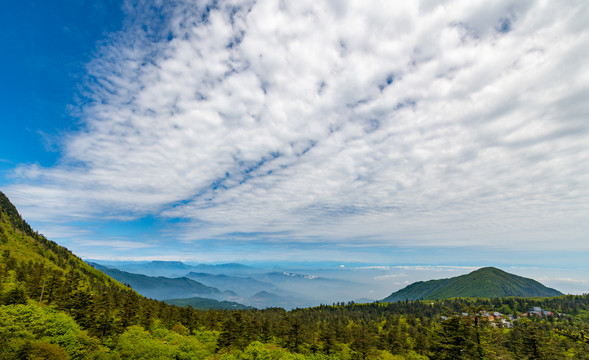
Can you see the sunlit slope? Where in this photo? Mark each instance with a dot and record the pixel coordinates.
(488, 282)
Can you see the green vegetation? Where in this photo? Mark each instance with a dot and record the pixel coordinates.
(487, 282)
(54, 306)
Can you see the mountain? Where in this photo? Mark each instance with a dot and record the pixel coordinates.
(149, 268)
(158, 268)
(173, 268)
(205, 304)
(232, 266)
(226, 269)
(265, 299)
(488, 282)
(245, 286)
(162, 288)
(313, 288)
(290, 277)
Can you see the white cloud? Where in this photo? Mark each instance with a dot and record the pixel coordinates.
(426, 124)
(564, 280)
(389, 276)
(118, 245)
(437, 268)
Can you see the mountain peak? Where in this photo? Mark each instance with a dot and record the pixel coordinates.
(489, 269)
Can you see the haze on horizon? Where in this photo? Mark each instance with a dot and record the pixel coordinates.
(426, 132)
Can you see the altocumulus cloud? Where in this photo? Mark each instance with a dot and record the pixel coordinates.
(422, 122)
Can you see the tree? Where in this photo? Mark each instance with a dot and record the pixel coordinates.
(464, 335)
(41, 350)
(536, 341)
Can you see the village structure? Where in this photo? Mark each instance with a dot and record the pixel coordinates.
(498, 319)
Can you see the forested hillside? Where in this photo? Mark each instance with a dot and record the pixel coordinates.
(54, 306)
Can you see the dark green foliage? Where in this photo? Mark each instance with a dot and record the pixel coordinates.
(41, 350)
(13, 296)
(487, 282)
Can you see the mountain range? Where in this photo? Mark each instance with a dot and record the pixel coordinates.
(487, 282)
(204, 303)
(245, 286)
(174, 268)
(185, 290)
(19, 242)
(163, 288)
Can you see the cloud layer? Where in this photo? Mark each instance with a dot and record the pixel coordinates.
(424, 123)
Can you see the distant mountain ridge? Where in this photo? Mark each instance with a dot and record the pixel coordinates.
(488, 282)
(223, 266)
(205, 304)
(197, 288)
(183, 291)
(163, 288)
(267, 299)
(171, 268)
(245, 286)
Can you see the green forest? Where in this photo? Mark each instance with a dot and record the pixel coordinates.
(55, 306)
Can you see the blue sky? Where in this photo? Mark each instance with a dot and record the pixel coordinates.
(434, 132)
(46, 49)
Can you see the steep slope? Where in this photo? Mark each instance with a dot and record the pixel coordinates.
(486, 282)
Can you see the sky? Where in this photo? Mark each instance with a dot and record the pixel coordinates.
(416, 132)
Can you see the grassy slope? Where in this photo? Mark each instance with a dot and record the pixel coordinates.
(486, 282)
